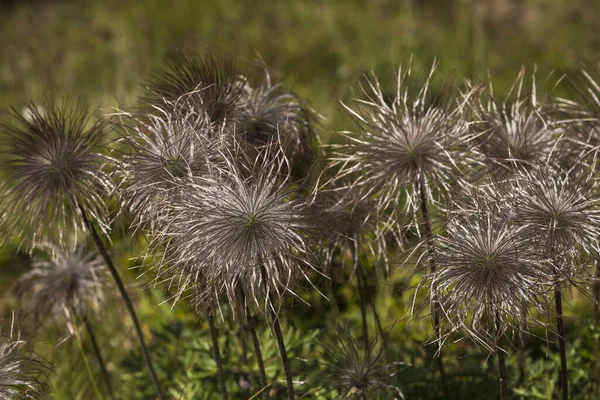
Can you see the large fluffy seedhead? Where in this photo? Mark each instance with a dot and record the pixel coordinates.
(21, 371)
(51, 168)
(517, 132)
(560, 208)
(488, 275)
(351, 371)
(74, 280)
(163, 149)
(213, 79)
(409, 142)
(240, 229)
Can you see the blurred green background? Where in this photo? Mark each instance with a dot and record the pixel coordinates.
(102, 50)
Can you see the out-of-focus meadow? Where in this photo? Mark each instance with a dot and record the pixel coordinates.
(103, 50)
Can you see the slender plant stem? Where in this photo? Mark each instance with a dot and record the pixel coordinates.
(502, 380)
(564, 373)
(502, 373)
(283, 354)
(87, 366)
(279, 338)
(378, 324)
(335, 306)
(259, 359)
(379, 278)
(596, 293)
(214, 337)
(70, 314)
(240, 339)
(363, 307)
(126, 299)
(521, 360)
(435, 309)
(96, 350)
(361, 276)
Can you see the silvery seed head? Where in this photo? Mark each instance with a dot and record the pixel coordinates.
(410, 141)
(488, 273)
(164, 148)
(352, 225)
(350, 370)
(75, 280)
(515, 133)
(240, 229)
(51, 168)
(559, 208)
(213, 79)
(22, 372)
(272, 114)
(584, 117)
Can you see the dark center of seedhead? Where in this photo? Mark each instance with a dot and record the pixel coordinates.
(60, 170)
(250, 221)
(176, 166)
(258, 130)
(488, 262)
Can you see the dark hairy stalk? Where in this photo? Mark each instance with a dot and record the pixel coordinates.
(240, 332)
(596, 293)
(564, 373)
(435, 309)
(126, 299)
(96, 350)
(279, 337)
(501, 364)
(521, 360)
(361, 277)
(362, 300)
(283, 353)
(86, 362)
(214, 337)
(261, 366)
(335, 306)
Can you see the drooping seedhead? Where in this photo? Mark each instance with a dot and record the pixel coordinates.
(412, 140)
(488, 276)
(52, 166)
(59, 280)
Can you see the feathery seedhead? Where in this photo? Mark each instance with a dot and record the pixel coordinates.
(351, 370)
(74, 280)
(213, 80)
(20, 371)
(487, 272)
(52, 166)
(352, 225)
(412, 141)
(240, 229)
(584, 119)
(517, 133)
(271, 114)
(165, 148)
(559, 207)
